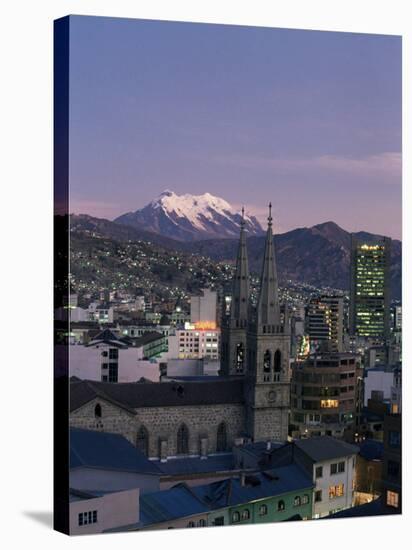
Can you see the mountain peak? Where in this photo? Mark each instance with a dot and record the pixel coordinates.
(191, 217)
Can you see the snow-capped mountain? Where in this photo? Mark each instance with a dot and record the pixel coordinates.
(190, 217)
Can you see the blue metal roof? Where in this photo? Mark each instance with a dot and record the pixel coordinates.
(177, 502)
(183, 501)
(231, 492)
(93, 449)
(196, 465)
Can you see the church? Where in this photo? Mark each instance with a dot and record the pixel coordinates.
(249, 401)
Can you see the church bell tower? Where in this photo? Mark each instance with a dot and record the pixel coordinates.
(234, 338)
(267, 387)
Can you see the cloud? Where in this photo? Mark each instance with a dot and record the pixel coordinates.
(386, 166)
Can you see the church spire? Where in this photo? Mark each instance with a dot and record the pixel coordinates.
(240, 296)
(268, 312)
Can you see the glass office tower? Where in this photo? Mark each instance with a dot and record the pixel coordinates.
(370, 288)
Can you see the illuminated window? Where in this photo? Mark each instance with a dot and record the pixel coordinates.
(336, 491)
(281, 505)
(263, 510)
(296, 501)
(329, 403)
(392, 499)
(245, 514)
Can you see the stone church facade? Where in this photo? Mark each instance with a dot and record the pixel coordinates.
(250, 400)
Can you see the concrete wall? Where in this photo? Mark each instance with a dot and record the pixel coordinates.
(378, 381)
(86, 364)
(113, 510)
(91, 479)
(323, 508)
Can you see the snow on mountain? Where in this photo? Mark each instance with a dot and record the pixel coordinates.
(190, 217)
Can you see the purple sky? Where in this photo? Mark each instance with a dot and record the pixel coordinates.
(309, 120)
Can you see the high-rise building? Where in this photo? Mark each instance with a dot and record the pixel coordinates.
(370, 289)
(203, 308)
(325, 395)
(324, 322)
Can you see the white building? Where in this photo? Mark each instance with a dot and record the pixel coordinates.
(108, 358)
(332, 464)
(196, 343)
(90, 513)
(203, 308)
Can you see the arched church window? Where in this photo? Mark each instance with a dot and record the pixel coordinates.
(266, 361)
(278, 361)
(183, 440)
(142, 440)
(221, 443)
(98, 411)
(240, 357)
(281, 505)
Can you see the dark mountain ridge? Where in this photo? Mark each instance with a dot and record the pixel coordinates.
(318, 255)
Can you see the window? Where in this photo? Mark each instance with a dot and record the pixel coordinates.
(318, 496)
(245, 514)
(336, 491)
(277, 361)
(219, 521)
(113, 372)
(221, 443)
(305, 499)
(263, 510)
(341, 467)
(142, 440)
(235, 517)
(240, 355)
(267, 359)
(85, 518)
(319, 472)
(394, 439)
(98, 411)
(191, 524)
(183, 440)
(329, 403)
(392, 499)
(333, 469)
(113, 353)
(201, 523)
(281, 505)
(296, 501)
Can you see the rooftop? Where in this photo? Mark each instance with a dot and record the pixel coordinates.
(325, 448)
(133, 395)
(183, 501)
(222, 462)
(107, 451)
